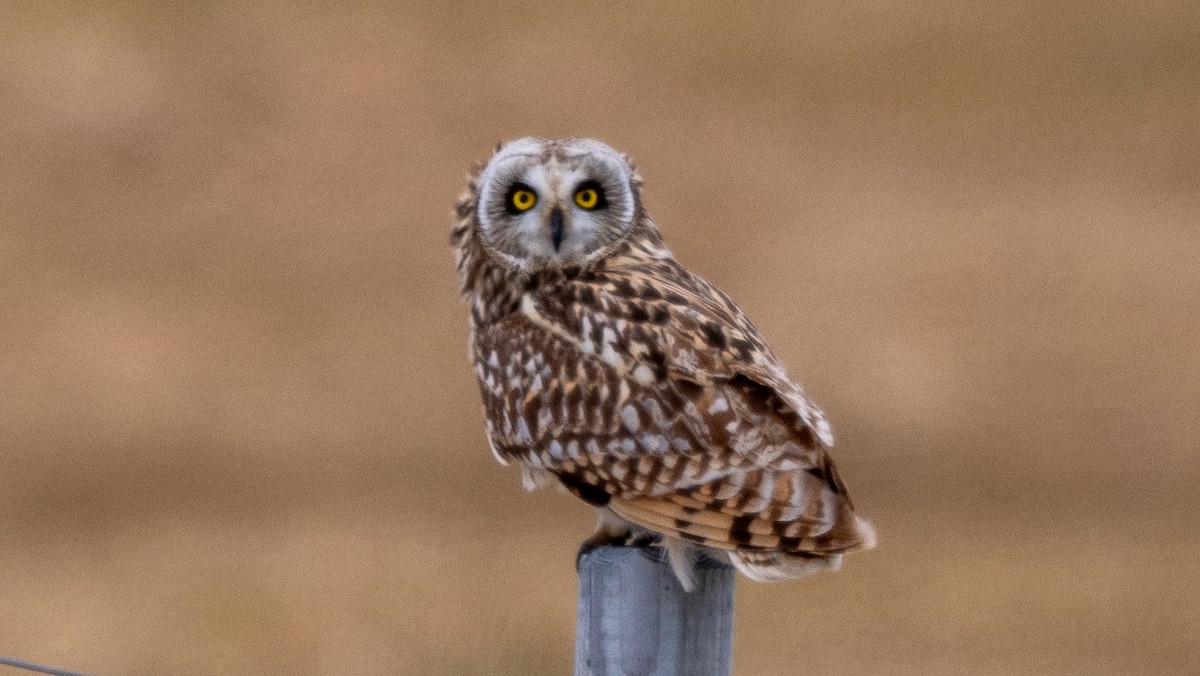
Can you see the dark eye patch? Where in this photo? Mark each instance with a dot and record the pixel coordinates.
(592, 184)
(513, 189)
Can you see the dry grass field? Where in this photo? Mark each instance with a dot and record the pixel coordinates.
(238, 430)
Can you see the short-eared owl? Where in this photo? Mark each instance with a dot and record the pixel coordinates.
(608, 368)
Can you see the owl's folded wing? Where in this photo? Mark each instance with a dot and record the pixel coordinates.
(670, 410)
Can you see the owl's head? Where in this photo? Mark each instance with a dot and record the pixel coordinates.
(542, 204)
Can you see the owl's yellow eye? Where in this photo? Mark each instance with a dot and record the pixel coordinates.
(587, 198)
(523, 200)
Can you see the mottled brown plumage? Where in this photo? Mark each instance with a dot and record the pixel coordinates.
(607, 367)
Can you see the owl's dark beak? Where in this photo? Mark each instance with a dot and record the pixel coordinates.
(556, 227)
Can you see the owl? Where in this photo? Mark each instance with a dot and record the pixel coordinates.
(610, 370)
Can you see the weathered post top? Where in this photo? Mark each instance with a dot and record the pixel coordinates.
(634, 618)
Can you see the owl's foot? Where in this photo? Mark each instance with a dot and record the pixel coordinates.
(601, 538)
(643, 540)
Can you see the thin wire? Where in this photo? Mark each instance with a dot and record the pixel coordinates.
(22, 664)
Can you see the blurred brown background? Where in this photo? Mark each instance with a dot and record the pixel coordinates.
(238, 430)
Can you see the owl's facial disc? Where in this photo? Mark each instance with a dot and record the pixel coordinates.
(545, 204)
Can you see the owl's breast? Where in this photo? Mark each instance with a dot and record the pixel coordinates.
(540, 396)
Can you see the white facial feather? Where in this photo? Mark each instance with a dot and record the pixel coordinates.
(554, 171)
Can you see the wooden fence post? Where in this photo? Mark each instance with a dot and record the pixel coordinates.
(634, 618)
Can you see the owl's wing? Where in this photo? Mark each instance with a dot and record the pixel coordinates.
(658, 399)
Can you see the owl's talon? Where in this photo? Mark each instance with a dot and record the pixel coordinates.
(644, 541)
(600, 539)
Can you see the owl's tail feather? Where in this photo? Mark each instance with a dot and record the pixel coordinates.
(847, 532)
(776, 566)
(853, 534)
(750, 546)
